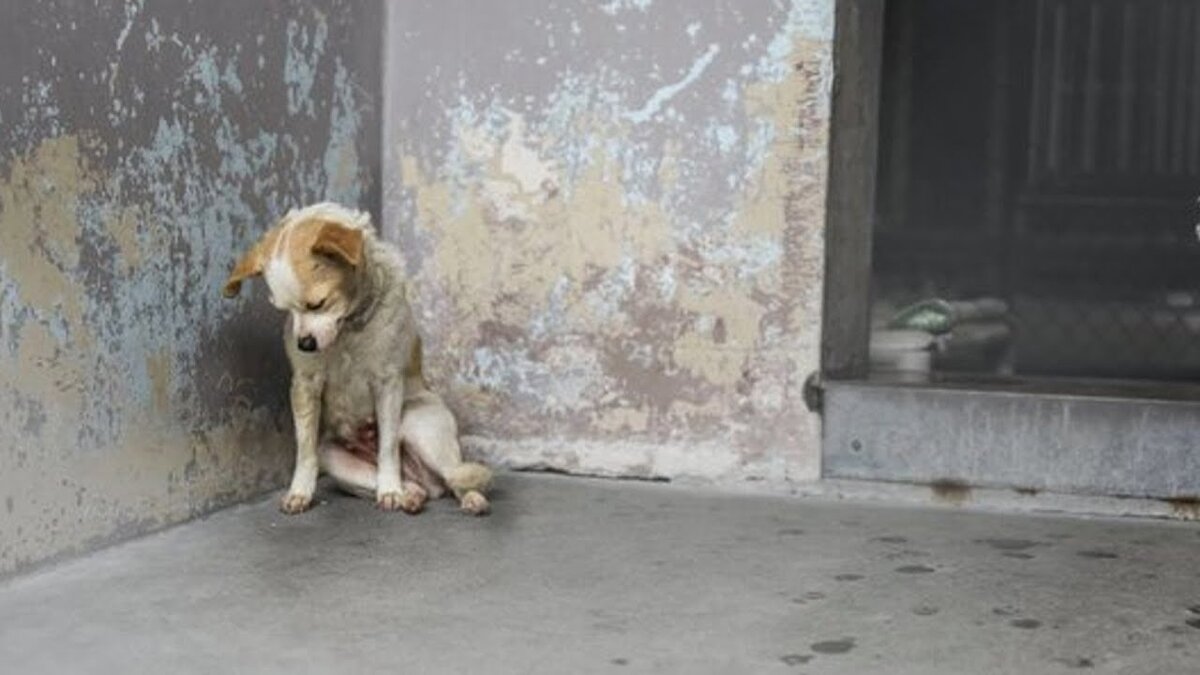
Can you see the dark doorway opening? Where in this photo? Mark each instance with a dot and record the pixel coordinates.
(1039, 164)
(1012, 269)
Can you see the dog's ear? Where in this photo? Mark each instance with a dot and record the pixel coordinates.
(251, 264)
(340, 243)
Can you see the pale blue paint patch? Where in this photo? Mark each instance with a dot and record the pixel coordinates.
(746, 256)
(131, 11)
(552, 387)
(655, 103)
(725, 137)
(155, 39)
(340, 161)
(13, 312)
(213, 78)
(806, 19)
(606, 298)
(613, 7)
(573, 107)
(42, 114)
(303, 54)
(458, 168)
(666, 282)
(731, 92)
(758, 145)
(552, 315)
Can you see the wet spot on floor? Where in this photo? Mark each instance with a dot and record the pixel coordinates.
(1008, 544)
(1194, 623)
(925, 610)
(1097, 554)
(914, 569)
(1017, 555)
(808, 597)
(891, 540)
(1194, 609)
(796, 659)
(1026, 624)
(1080, 662)
(620, 662)
(790, 532)
(833, 646)
(906, 553)
(848, 577)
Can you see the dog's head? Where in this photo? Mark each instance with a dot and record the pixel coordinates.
(311, 261)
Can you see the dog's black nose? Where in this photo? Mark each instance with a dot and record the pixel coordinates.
(307, 343)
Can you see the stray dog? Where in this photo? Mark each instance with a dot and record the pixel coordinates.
(362, 410)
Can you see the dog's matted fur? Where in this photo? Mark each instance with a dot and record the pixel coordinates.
(362, 409)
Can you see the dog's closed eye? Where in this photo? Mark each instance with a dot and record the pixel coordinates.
(315, 306)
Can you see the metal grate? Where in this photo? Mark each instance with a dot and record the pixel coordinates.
(1048, 154)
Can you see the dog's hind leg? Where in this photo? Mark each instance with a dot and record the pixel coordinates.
(351, 467)
(351, 472)
(431, 434)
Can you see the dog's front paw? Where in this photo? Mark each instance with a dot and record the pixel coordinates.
(410, 501)
(295, 502)
(389, 500)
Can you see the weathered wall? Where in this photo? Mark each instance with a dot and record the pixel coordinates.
(141, 147)
(613, 216)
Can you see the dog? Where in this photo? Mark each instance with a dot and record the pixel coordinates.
(363, 411)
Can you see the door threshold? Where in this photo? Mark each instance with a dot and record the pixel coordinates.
(1096, 443)
(998, 500)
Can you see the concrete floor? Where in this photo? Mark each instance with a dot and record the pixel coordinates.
(577, 576)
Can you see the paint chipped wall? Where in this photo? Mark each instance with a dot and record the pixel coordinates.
(141, 148)
(612, 213)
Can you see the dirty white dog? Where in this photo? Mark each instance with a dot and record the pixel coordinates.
(362, 409)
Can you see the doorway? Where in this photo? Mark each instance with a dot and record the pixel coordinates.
(1031, 295)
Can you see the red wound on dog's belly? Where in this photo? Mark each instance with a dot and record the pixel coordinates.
(365, 444)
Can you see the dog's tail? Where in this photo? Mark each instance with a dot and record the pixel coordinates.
(469, 477)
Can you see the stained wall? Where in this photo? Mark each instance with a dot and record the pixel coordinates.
(613, 215)
(141, 147)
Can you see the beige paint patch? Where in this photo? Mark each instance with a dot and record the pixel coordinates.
(479, 258)
(38, 202)
(158, 368)
(124, 230)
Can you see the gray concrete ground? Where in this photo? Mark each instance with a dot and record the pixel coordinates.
(578, 576)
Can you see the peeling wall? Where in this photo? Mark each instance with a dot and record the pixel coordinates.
(141, 148)
(613, 217)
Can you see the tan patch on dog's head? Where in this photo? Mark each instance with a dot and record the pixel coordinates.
(310, 261)
(316, 260)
